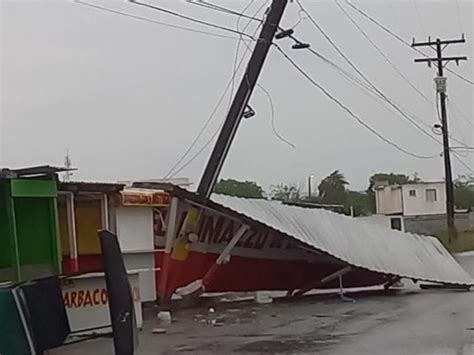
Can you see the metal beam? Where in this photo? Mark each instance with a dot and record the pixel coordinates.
(170, 235)
(71, 230)
(104, 211)
(444, 59)
(324, 280)
(433, 43)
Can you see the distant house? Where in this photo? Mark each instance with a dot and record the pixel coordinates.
(401, 206)
(415, 199)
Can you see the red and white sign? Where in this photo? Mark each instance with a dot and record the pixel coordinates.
(86, 301)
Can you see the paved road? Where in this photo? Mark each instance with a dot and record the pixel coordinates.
(410, 322)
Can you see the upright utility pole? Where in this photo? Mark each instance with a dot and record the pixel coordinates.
(241, 99)
(440, 81)
(310, 188)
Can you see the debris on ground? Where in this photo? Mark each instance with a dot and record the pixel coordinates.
(159, 331)
(164, 316)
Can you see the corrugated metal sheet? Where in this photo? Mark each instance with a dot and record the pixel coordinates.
(358, 243)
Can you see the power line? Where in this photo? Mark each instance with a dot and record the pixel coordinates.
(272, 108)
(341, 53)
(189, 18)
(208, 121)
(401, 40)
(347, 75)
(193, 143)
(370, 88)
(189, 161)
(451, 104)
(345, 108)
(222, 9)
(439, 117)
(399, 72)
(460, 161)
(238, 43)
(261, 87)
(149, 20)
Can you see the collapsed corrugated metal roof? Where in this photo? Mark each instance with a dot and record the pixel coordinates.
(357, 243)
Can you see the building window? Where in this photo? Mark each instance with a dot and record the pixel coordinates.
(396, 223)
(431, 195)
(412, 193)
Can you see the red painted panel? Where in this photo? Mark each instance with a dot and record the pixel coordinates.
(252, 274)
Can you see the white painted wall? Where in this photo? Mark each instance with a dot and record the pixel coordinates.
(381, 220)
(418, 205)
(135, 228)
(146, 263)
(388, 200)
(135, 234)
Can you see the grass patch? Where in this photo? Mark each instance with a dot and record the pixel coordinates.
(463, 242)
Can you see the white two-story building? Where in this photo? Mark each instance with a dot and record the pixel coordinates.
(395, 204)
(415, 199)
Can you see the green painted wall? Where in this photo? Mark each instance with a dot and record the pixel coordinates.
(33, 188)
(5, 244)
(28, 229)
(35, 231)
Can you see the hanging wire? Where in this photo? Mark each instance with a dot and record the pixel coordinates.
(149, 20)
(346, 109)
(363, 76)
(401, 40)
(172, 172)
(190, 18)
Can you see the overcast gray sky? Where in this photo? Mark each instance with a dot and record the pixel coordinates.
(126, 97)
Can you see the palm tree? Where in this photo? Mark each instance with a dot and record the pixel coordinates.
(332, 188)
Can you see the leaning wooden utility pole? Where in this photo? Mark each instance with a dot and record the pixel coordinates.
(241, 99)
(440, 81)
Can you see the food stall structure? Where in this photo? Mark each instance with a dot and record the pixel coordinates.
(28, 223)
(85, 208)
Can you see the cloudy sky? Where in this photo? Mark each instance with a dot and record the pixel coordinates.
(126, 97)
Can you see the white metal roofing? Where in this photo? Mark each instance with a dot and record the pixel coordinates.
(359, 243)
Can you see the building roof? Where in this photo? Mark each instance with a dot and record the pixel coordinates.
(39, 170)
(90, 187)
(355, 242)
(397, 186)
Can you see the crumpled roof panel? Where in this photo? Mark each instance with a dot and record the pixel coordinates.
(359, 243)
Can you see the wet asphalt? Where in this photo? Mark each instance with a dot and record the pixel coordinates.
(411, 322)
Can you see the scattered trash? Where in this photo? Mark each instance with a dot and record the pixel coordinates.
(263, 298)
(233, 310)
(193, 237)
(211, 310)
(347, 299)
(192, 288)
(164, 316)
(159, 331)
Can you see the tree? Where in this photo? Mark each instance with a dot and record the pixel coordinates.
(390, 179)
(283, 192)
(332, 189)
(359, 200)
(231, 187)
(463, 193)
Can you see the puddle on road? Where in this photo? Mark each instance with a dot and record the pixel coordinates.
(284, 346)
